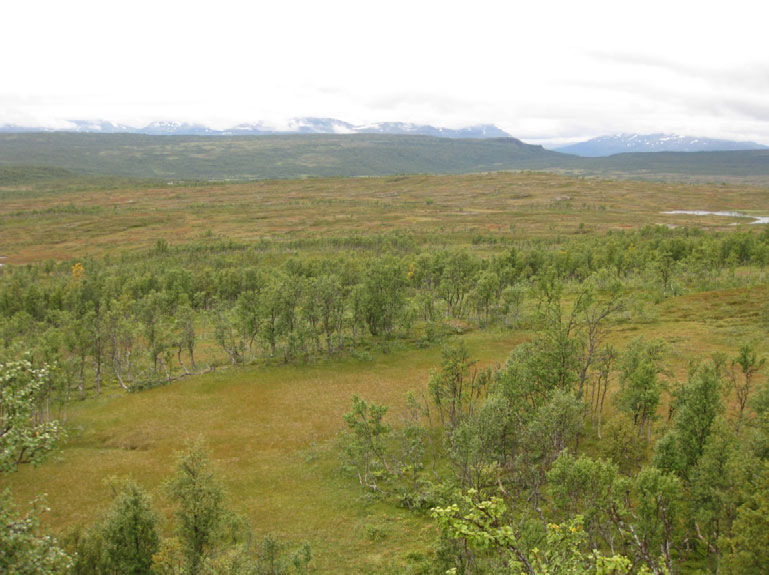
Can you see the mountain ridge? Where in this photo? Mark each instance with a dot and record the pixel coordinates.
(610, 145)
(301, 125)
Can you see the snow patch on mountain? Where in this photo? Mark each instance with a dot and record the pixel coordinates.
(303, 125)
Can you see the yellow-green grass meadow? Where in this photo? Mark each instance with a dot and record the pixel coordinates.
(272, 434)
(450, 209)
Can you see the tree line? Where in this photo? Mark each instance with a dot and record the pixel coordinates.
(159, 315)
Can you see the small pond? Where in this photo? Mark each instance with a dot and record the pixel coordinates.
(756, 219)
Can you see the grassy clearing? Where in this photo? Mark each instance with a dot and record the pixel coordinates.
(272, 432)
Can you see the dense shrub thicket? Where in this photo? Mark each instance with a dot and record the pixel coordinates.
(524, 473)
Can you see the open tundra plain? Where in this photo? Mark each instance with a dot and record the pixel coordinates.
(268, 391)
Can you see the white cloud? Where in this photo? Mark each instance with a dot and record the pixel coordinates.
(549, 71)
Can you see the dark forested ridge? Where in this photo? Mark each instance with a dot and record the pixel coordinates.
(265, 157)
(320, 155)
(728, 163)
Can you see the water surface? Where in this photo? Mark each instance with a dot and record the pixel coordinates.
(756, 219)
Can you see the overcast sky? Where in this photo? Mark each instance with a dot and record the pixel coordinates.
(546, 72)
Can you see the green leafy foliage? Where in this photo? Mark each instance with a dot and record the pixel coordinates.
(698, 403)
(201, 515)
(130, 533)
(640, 391)
(22, 550)
(25, 434)
(363, 445)
(748, 547)
(485, 526)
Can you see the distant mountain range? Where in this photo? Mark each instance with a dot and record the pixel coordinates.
(294, 126)
(597, 147)
(623, 143)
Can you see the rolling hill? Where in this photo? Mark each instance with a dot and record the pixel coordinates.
(268, 157)
(240, 158)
